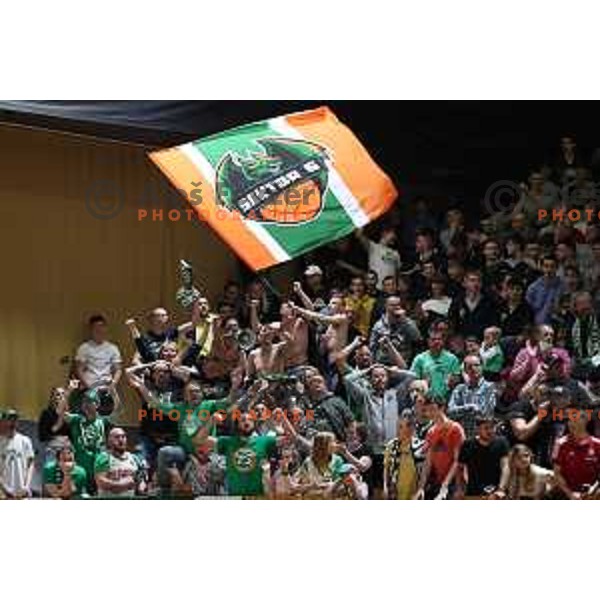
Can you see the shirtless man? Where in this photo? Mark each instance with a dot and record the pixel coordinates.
(336, 334)
(296, 353)
(268, 358)
(294, 327)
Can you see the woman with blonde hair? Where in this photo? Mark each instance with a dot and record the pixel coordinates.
(321, 473)
(526, 480)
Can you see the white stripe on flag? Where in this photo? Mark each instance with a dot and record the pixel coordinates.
(335, 182)
(263, 236)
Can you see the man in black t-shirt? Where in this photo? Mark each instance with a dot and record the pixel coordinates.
(540, 418)
(483, 462)
(515, 314)
(473, 310)
(149, 344)
(159, 394)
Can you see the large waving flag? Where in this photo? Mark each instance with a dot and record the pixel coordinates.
(278, 188)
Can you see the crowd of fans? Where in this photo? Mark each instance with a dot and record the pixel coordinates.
(433, 360)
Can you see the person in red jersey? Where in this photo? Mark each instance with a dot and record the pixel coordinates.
(577, 459)
(443, 443)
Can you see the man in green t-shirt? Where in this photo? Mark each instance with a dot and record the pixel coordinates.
(88, 435)
(246, 454)
(63, 477)
(247, 457)
(191, 415)
(439, 367)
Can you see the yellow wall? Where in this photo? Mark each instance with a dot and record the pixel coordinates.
(59, 264)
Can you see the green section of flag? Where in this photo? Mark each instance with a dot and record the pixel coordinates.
(332, 223)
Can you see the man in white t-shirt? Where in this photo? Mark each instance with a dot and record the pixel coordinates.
(98, 361)
(118, 473)
(16, 458)
(383, 258)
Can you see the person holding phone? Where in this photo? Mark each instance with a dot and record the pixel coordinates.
(63, 478)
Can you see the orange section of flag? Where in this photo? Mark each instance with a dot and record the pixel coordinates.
(228, 224)
(368, 183)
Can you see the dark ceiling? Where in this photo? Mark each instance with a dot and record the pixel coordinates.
(449, 148)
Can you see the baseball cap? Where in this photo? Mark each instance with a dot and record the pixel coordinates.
(439, 307)
(9, 414)
(313, 270)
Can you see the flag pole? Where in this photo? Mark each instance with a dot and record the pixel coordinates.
(267, 283)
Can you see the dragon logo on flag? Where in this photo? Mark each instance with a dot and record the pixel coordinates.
(283, 181)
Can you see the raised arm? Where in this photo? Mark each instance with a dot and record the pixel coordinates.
(117, 373)
(410, 329)
(291, 431)
(133, 370)
(138, 341)
(357, 393)
(393, 353)
(528, 390)
(183, 373)
(137, 382)
(299, 291)
(133, 329)
(521, 364)
(523, 429)
(62, 406)
(254, 320)
(341, 357)
(350, 268)
(312, 315)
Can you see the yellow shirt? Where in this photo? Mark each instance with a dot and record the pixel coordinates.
(406, 485)
(208, 342)
(362, 309)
